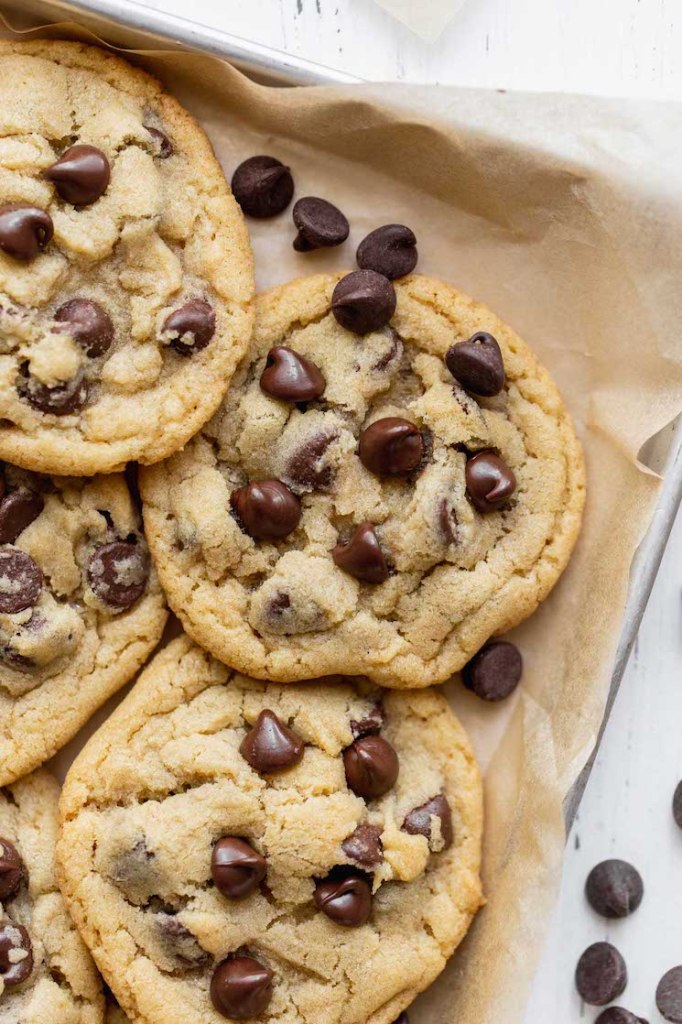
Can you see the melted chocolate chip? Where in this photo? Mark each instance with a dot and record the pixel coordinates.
(267, 509)
(371, 766)
(24, 230)
(669, 995)
(361, 556)
(179, 940)
(614, 888)
(306, 469)
(60, 400)
(241, 988)
(363, 301)
(495, 672)
(447, 520)
(345, 896)
(191, 327)
(17, 511)
(419, 821)
(291, 377)
(118, 573)
(601, 975)
(11, 869)
(391, 446)
(81, 175)
(20, 581)
(477, 364)
(89, 324)
(270, 746)
(390, 250)
(371, 723)
(236, 868)
(489, 480)
(364, 845)
(15, 942)
(162, 144)
(320, 224)
(262, 186)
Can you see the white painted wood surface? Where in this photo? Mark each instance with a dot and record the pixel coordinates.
(610, 47)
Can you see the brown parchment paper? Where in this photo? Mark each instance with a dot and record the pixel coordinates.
(564, 214)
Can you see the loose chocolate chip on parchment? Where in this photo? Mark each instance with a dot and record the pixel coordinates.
(20, 580)
(241, 987)
(16, 954)
(262, 186)
(364, 845)
(669, 995)
(81, 175)
(320, 224)
(601, 975)
(477, 364)
(270, 746)
(267, 509)
(11, 869)
(361, 555)
(614, 888)
(495, 671)
(391, 446)
(419, 821)
(236, 868)
(89, 324)
(345, 896)
(617, 1015)
(371, 766)
(489, 481)
(118, 573)
(18, 509)
(363, 301)
(24, 230)
(677, 806)
(190, 328)
(291, 377)
(391, 250)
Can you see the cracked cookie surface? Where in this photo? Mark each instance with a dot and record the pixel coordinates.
(81, 607)
(214, 819)
(323, 520)
(46, 973)
(126, 276)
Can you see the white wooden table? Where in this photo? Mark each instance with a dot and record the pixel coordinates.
(611, 47)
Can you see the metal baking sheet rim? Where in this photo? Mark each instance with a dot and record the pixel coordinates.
(278, 68)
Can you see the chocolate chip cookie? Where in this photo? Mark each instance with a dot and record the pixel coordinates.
(392, 478)
(126, 276)
(81, 607)
(239, 850)
(46, 974)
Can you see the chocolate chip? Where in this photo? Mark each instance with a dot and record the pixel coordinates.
(81, 175)
(614, 888)
(477, 364)
(17, 511)
(345, 896)
(601, 975)
(241, 987)
(371, 723)
(320, 224)
(371, 766)
(236, 868)
(270, 746)
(391, 446)
(24, 230)
(361, 556)
(267, 509)
(617, 1015)
(20, 581)
(291, 377)
(11, 869)
(162, 144)
(191, 327)
(118, 573)
(60, 400)
(262, 186)
(178, 939)
(489, 480)
(495, 671)
(15, 942)
(363, 301)
(390, 250)
(447, 520)
(364, 845)
(419, 821)
(677, 806)
(89, 324)
(669, 995)
(306, 469)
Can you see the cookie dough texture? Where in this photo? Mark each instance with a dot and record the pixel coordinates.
(69, 650)
(166, 231)
(64, 987)
(283, 609)
(163, 780)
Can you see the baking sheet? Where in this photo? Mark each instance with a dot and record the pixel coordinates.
(564, 215)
